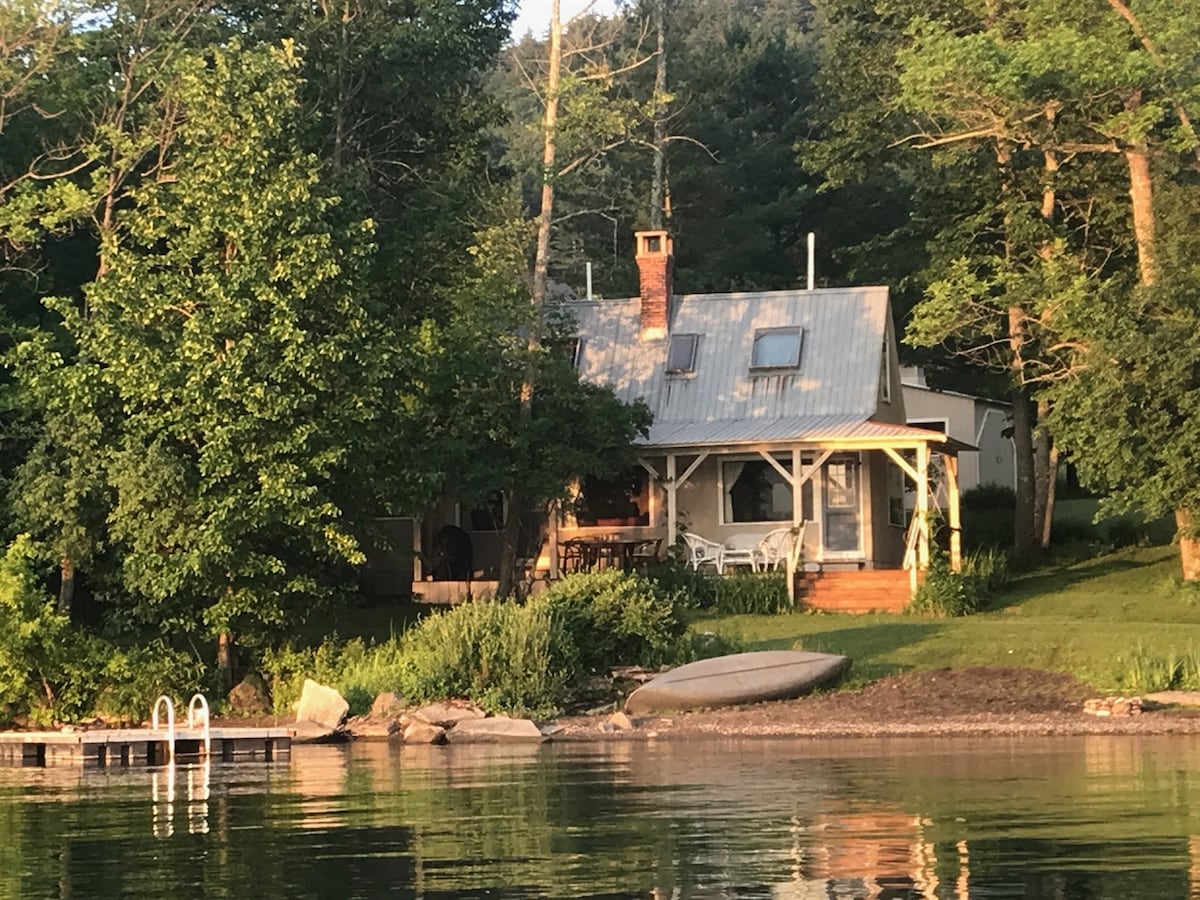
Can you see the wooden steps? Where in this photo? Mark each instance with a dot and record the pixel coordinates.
(854, 591)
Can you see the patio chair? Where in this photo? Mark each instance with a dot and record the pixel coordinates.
(779, 544)
(701, 551)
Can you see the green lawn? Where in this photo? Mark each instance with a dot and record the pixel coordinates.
(1092, 619)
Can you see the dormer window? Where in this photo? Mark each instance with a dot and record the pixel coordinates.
(776, 348)
(681, 355)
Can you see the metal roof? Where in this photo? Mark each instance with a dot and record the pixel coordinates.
(834, 393)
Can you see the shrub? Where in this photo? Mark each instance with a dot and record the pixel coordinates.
(504, 656)
(616, 619)
(692, 589)
(988, 566)
(763, 593)
(37, 646)
(131, 679)
(1143, 671)
(944, 592)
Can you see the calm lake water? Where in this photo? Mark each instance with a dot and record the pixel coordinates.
(1068, 818)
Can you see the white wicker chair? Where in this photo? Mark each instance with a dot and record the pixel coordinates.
(779, 544)
(702, 551)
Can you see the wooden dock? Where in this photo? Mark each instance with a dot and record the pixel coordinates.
(143, 747)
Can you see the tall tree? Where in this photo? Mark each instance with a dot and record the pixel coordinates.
(227, 328)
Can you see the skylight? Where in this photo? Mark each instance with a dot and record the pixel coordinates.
(776, 348)
(681, 355)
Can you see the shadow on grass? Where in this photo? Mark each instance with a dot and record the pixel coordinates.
(1058, 579)
(868, 646)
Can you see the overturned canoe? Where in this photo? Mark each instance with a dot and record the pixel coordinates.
(737, 678)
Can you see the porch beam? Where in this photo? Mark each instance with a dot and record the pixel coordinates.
(784, 473)
(807, 474)
(687, 473)
(649, 468)
(900, 461)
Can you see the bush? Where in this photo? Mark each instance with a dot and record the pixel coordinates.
(989, 567)
(132, 679)
(762, 593)
(52, 671)
(692, 589)
(616, 619)
(944, 592)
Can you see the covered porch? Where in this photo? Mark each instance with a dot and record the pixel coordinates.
(856, 503)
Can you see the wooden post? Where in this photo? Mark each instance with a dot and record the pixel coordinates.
(797, 535)
(552, 540)
(923, 506)
(672, 501)
(952, 512)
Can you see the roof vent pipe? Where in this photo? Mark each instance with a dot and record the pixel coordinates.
(589, 282)
(812, 255)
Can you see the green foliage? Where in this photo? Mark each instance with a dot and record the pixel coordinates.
(36, 643)
(129, 680)
(751, 592)
(51, 671)
(615, 618)
(1144, 672)
(504, 656)
(944, 592)
(987, 515)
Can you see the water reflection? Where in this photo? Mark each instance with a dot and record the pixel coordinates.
(1081, 818)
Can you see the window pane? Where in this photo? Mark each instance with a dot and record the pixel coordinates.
(756, 492)
(624, 500)
(681, 357)
(776, 349)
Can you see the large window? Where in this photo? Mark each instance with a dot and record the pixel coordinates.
(624, 500)
(776, 348)
(755, 491)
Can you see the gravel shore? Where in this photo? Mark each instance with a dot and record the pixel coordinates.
(973, 701)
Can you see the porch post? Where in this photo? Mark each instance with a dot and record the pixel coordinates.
(797, 534)
(923, 505)
(952, 512)
(552, 543)
(672, 504)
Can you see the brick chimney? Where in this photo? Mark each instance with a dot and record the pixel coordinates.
(656, 263)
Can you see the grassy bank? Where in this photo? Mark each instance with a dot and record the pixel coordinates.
(1107, 621)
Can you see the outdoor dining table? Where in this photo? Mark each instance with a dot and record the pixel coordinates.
(603, 552)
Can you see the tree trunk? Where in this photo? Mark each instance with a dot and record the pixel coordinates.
(1141, 195)
(1189, 544)
(657, 189)
(1045, 467)
(1051, 496)
(1024, 536)
(226, 663)
(517, 500)
(66, 588)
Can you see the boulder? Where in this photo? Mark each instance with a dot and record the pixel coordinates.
(495, 730)
(424, 733)
(388, 705)
(250, 697)
(372, 727)
(305, 732)
(321, 705)
(623, 722)
(447, 714)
